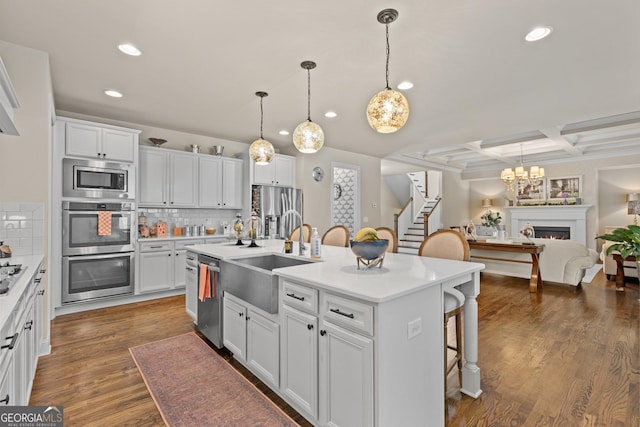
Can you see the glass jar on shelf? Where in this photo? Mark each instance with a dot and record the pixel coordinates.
(238, 229)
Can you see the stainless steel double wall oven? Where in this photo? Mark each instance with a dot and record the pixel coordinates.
(97, 264)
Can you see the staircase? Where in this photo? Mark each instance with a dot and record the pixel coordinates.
(409, 241)
(420, 213)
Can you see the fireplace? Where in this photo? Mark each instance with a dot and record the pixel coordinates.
(551, 232)
(573, 217)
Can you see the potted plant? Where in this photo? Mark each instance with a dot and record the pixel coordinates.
(626, 242)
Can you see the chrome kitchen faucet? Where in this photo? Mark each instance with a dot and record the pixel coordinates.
(301, 243)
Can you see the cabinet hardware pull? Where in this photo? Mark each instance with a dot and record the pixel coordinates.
(10, 346)
(292, 295)
(43, 271)
(155, 247)
(213, 268)
(189, 268)
(5, 400)
(323, 332)
(248, 318)
(240, 314)
(337, 311)
(309, 326)
(191, 258)
(28, 325)
(37, 280)
(41, 292)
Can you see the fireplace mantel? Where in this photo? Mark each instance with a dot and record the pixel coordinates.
(572, 216)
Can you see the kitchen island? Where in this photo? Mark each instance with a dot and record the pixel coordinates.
(364, 347)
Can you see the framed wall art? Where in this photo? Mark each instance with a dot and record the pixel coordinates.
(528, 193)
(564, 187)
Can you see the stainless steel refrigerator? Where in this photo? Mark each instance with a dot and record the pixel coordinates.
(271, 203)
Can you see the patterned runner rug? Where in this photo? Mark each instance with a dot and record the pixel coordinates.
(193, 386)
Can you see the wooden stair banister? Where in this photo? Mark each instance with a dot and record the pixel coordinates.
(397, 215)
(425, 216)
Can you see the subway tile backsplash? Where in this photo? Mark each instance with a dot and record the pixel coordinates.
(22, 227)
(182, 217)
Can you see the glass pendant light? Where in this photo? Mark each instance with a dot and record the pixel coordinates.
(388, 110)
(261, 151)
(308, 136)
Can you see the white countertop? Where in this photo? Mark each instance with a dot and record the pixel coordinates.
(400, 274)
(8, 301)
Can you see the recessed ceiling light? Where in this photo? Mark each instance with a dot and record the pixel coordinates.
(129, 49)
(284, 132)
(330, 114)
(113, 93)
(538, 33)
(405, 85)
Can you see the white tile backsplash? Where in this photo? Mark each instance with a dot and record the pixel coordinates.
(22, 227)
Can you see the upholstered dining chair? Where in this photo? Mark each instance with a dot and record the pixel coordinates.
(338, 235)
(389, 234)
(449, 244)
(306, 233)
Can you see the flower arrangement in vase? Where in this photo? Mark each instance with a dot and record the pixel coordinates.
(491, 219)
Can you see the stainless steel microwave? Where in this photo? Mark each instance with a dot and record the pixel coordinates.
(97, 179)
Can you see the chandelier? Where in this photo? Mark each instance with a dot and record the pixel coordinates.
(261, 151)
(533, 177)
(308, 136)
(388, 110)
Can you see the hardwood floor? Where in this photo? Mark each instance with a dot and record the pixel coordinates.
(563, 357)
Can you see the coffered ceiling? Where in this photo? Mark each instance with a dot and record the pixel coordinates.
(481, 93)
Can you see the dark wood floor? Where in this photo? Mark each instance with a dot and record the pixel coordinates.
(563, 357)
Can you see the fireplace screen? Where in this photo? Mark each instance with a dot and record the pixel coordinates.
(559, 233)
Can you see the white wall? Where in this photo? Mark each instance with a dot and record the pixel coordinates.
(318, 195)
(24, 159)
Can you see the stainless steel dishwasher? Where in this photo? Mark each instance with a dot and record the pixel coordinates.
(209, 311)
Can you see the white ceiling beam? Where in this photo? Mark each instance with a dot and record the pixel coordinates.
(477, 148)
(554, 135)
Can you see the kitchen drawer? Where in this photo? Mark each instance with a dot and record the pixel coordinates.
(351, 314)
(295, 295)
(155, 246)
(182, 244)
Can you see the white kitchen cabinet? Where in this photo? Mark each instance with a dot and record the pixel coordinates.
(6, 386)
(152, 174)
(299, 359)
(281, 171)
(180, 261)
(162, 264)
(167, 178)
(220, 182)
(170, 178)
(19, 340)
(345, 377)
(234, 325)
(232, 189)
(327, 355)
(183, 180)
(191, 285)
(92, 140)
(253, 337)
(155, 263)
(156, 271)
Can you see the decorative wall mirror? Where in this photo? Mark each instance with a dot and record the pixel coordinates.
(345, 200)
